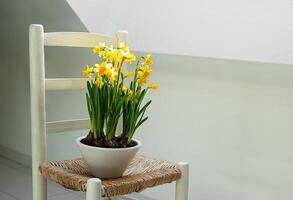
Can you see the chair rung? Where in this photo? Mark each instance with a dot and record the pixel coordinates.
(67, 125)
(77, 39)
(65, 84)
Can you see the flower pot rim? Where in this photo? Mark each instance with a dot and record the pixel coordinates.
(138, 145)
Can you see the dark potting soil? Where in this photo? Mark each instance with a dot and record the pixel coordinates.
(116, 142)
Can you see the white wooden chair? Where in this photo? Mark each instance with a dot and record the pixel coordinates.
(38, 84)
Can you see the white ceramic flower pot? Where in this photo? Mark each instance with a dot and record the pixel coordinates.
(107, 162)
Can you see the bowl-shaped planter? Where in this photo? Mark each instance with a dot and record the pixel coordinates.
(107, 162)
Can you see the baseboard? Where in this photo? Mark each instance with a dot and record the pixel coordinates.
(15, 156)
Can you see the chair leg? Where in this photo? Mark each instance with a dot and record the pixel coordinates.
(93, 189)
(39, 188)
(182, 183)
(38, 114)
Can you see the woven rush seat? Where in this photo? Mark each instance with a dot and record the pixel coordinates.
(143, 172)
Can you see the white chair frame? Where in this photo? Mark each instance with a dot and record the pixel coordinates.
(39, 84)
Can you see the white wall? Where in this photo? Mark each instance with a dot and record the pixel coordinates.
(254, 30)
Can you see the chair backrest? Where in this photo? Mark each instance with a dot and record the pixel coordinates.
(39, 84)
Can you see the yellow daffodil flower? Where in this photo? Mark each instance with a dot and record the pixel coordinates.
(129, 74)
(108, 73)
(109, 56)
(144, 72)
(148, 61)
(130, 94)
(99, 82)
(129, 57)
(114, 75)
(96, 50)
(123, 47)
(116, 69)
(124, 89)
(142, 81)
(112, 82)
(88, 71)
(101, 69)
(109, 65)
(154, 86)
(99, 49)
(117, 58)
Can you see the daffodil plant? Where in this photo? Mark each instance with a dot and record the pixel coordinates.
(114, 92)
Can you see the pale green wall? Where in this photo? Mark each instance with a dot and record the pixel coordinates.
(231, 120)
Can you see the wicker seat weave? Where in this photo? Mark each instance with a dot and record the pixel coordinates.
(143, 172)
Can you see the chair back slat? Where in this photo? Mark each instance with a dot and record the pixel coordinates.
(77, 39)
(65, 84)
(67, 125)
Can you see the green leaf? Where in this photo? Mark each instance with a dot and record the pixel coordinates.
(144, 107)
(88, 104)
(141, 122)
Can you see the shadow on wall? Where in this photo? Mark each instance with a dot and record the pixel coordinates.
(15, 18)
